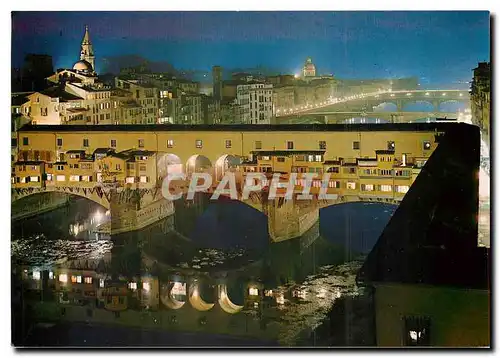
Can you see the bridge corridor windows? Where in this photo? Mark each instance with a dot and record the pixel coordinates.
(59, 142)
(391, 145)
(112, 143)
(199, 143)
(367, 187)
(258, 144)
(351, 185)
(86, 142)
(170, 143)
(355, 145)
(322, 145)
(26, 141)
(426, 145)
(386, 188)
(228, 143)
(402, 188)
(289, 145)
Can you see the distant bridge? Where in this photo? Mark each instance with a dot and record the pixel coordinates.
(321, 117)
(366, 102)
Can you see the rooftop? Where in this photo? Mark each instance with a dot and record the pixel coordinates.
(396, 127)
(59, 92)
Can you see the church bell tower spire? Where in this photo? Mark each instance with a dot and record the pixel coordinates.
(87, 52)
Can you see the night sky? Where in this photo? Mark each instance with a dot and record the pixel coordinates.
(438, 47)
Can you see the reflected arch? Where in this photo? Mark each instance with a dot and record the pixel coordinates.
(198, 164)
(168, 163)
(225, 302)
(199, 293)
(173, 294)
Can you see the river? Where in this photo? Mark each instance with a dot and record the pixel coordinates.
(298, 285)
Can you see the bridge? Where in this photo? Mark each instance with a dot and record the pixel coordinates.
(363, 103)
(364, 117)
(122, 167)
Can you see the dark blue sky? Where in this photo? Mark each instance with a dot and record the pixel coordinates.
(439, 47)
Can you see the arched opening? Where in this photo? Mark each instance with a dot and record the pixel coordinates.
(226, 163)
(173, 294)
(168, 163)
(198, 164)
(418, 106)
(386, 107)
(452, 106)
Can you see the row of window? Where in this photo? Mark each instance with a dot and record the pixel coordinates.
(199, 144)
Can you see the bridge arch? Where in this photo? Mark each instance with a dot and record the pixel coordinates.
(168, 163)
(413, 106)
(97, 194)
(225, 163)
(198, 163)
(451, 105)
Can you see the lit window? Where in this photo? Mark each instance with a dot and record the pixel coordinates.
(60, 178)
(417, 331)
(199, 143)
(386, 188)
(36, 275)
(63, 278)
(402, 188)
(88, 280)
(265, 157)
(101, 283)
(141, 143)
(391, 145)
(129, 180)
(146, 286)
(367, 187)
(73, 279)
(144, 179)
(427, 145)
(113, 143)
(351, 185)
(280, 300)
(51, 275)
(268, 293)
(132, 285)
(36, 179)
(228, 143)
(74, 178)
(253, 291)
(79, 279)
(170, 143)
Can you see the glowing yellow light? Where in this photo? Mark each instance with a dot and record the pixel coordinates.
(63, 278)
(253, 291)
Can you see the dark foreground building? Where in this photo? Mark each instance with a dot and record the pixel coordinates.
(430, 280)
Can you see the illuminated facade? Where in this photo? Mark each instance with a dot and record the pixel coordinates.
(309, 69)
(255, 103)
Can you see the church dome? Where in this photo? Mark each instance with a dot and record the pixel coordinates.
(82, 65)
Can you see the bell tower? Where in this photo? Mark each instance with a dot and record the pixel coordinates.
(87, 52)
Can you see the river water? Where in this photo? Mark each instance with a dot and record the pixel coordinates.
(301, 282)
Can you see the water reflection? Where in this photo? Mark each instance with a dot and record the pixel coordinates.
(181, 275)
